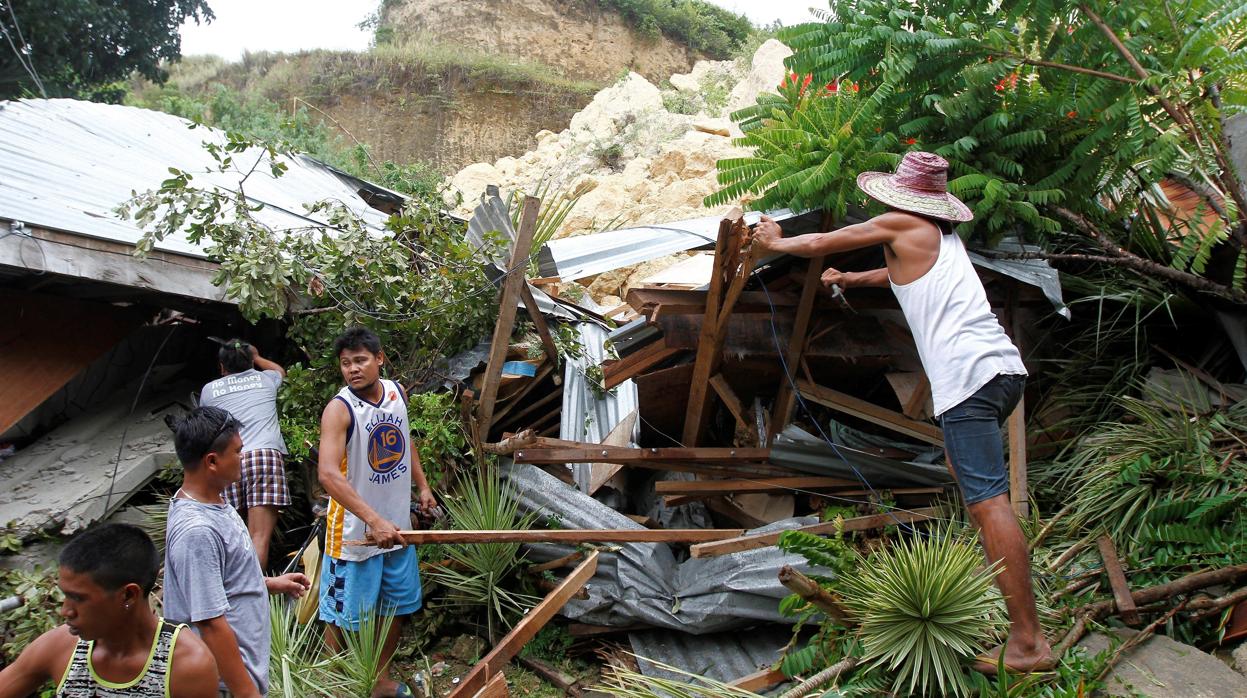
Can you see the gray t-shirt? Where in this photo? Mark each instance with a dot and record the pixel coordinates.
(251, 396)
(211, 570)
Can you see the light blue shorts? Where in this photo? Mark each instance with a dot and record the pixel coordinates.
(388, 584)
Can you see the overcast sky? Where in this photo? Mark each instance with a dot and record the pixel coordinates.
(290, 25)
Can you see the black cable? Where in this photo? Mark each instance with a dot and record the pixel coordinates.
(133, 406)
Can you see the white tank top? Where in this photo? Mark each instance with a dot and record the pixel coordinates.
(960, 341)
(377, 465)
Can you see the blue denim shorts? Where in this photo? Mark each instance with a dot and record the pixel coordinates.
(973, 440)
(387, 584)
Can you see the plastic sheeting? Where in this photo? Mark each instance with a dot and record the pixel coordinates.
(719, 656)
(645, 582)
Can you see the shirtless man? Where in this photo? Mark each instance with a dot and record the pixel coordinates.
(975, 371)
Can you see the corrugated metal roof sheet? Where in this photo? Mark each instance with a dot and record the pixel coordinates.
(587, 255)
(587, 415)
(719, 656)
(66, 164)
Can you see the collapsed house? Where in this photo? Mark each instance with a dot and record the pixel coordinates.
(99, 345)
(700, 403)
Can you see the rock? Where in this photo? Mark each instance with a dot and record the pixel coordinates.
(1240, 658)
(468, 648)
(765, 72)
(471, 182)
(702, 73)
(615, 106)
(1164, 668)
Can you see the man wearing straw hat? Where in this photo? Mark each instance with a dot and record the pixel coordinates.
(975, 371)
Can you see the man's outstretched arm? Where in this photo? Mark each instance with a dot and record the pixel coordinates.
(768, 235)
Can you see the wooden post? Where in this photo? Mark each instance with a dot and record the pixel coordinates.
(810, 590)
(492, 664)
(1018, 494)
(707, 360)
(729, 398)
(1117, 581)
(543, 330)
(508, 305)
(785, 398)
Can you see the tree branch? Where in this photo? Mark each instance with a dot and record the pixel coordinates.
(1118, 256)
(1229, 175)
(1071, 68)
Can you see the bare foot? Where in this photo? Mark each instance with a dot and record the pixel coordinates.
(1018, 660)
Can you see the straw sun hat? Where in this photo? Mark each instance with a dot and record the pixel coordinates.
(919, 185)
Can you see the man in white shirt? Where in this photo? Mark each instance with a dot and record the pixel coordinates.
(975, 371)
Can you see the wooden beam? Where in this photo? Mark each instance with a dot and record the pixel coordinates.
(785, 399)
(544, 370)
(507, 307)
(587, 453)
(543, 330)
(728, 396)
(620, 435)
(714, 487)
(677, 500)
(872, 413)
(557, 393)
(502, 653)
(620, 370)
(1018, 493)
(496, 688)
(708, 355)
(812, 592)
(759, 681)
(860, 523)
(567, 535)
(1117, 580)
(734, 512)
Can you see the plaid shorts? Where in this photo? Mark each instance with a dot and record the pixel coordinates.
(263, 482)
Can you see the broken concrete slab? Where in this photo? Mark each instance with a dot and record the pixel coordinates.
(1164, 668)
(65, 480)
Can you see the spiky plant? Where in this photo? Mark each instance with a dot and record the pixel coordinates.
(624, 682)
(1165, 483)
(477, 575)
(297, 665)
(359, 662)
(924, 605)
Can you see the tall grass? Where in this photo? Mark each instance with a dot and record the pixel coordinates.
(301, 666)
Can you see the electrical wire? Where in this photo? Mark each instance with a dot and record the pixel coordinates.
(112, 481)
(25, 61)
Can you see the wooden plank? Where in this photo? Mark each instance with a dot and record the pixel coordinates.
(677, 500)
(872, 413)
(588, 453)
(735, 513)
(568, 535)
(785, 399)
(518, 398)
(860, 523)
(728, 396)
(1018, 493)
(1117, 580)
(47, 340)
(620, 435)
(507, 308)
(496, 688)
(743, 486)
(502, 653)
(523, 414)
(617, 371)
(760, 680)
(67, 254)
(543, 329)
(708, 355)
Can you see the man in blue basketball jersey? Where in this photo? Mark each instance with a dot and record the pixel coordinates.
(367, 465)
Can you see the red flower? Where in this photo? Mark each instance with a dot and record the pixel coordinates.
(783, 82)
(855, 87)
(831, 86)
(910, 141)
(806, 82)
(878, 130)
(1071, 115)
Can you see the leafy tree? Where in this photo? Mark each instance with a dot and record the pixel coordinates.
(82, 48)
(707, 28)
(1061, 118)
